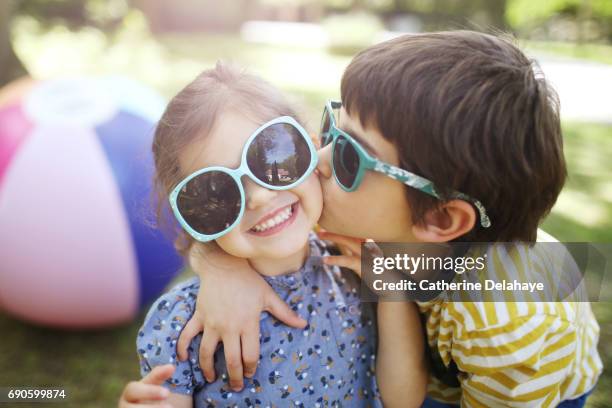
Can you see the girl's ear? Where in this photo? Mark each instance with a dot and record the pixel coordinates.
(447, 222)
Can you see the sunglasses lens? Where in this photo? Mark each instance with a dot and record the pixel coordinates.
(210, 202)
(345, 161)
(325, 128)
(279, 155)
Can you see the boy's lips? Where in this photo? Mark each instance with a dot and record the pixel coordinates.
(275, 221)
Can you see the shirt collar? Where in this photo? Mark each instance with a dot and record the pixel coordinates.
(295, 280)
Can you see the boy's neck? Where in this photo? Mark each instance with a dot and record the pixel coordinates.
(281, 266)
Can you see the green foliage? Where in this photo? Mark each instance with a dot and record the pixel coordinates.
(12, 67)
(522, 12)
(76, 13)
(529, 13)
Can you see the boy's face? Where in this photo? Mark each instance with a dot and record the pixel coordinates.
(378, 209)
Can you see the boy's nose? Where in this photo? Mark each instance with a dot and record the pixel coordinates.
(256, 195)
(324, 165)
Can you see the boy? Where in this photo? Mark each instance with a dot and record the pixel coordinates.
(468, 112)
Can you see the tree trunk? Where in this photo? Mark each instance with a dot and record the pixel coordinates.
(10, 66)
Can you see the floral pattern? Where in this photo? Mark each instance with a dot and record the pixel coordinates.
(330, 363)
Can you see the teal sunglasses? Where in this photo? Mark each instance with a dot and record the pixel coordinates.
(279, 155)
(350, 162)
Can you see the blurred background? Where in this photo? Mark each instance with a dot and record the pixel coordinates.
(302, 46)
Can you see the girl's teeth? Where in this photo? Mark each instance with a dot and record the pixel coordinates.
(283, 216)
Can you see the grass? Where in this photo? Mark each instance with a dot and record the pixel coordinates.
(584, 213)
(94, 366)
(584, 210)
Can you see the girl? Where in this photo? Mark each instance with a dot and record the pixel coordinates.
(238, 170)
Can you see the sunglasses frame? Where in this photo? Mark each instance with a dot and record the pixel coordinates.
(368, 162)
(237, 174)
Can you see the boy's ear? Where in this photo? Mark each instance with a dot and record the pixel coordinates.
(447, 222)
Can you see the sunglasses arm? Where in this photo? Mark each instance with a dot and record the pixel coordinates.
(426, 186)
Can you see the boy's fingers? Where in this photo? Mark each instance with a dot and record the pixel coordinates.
(208, 346)
(372, 249)
(279, 309)
(137, 391)
(159, 374)
(350, 262)
(249, 342)
(191, 329)
(353, 244)
(233, 361)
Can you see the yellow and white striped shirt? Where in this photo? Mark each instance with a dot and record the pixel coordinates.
(517, 353)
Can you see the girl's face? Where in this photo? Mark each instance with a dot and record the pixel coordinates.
(275, 224)
(378, 209)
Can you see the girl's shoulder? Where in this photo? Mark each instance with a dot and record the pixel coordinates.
(158, 335)
(179, 300)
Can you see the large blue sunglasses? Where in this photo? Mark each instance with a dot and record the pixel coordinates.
(279, 155)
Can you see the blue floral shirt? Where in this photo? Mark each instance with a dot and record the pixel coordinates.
(330, 363)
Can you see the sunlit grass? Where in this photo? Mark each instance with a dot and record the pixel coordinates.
(584, 209)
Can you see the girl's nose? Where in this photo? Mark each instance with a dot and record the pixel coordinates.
(324, 165)
(256, 195)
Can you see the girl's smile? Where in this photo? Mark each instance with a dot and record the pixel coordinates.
(275, 221)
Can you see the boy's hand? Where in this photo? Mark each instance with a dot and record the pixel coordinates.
(229, 305)
(350, 248)
(148, 392)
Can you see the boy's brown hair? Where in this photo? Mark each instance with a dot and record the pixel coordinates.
(470, 112)
(191, 115)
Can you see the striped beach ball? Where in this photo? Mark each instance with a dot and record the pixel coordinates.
(75, 190)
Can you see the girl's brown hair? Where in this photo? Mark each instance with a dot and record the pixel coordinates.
(191, 114)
